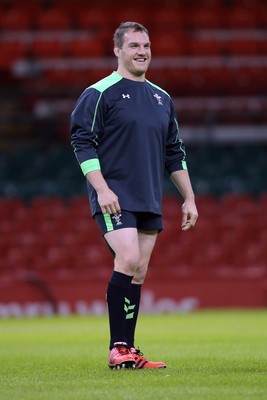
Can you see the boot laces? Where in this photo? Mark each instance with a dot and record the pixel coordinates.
(139, 352)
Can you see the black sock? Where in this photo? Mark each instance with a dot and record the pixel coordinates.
(131, 316)
(118, 295)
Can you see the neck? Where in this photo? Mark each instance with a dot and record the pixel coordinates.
(130, 76)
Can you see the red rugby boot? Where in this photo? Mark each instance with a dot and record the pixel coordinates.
(142, 362)
(120, 357)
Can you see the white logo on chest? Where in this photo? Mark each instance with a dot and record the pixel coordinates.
(159, 99)
(125, 96)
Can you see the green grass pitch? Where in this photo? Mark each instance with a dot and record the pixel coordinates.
(210, 355)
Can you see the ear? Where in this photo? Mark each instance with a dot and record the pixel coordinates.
(116, 51)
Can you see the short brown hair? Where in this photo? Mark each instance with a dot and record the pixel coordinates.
(124, 26)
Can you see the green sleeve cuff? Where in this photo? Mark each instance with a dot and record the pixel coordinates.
(90, 165)
(184, 165)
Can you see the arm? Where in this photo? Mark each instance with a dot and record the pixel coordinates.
(175, 164)
(189, 211)
(86, 127)
(107, 199)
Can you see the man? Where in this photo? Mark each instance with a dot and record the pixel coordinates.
(125, 133)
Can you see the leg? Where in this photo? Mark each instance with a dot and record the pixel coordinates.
(132, 253)
(131, 247)
(147, 240)
(124, 243)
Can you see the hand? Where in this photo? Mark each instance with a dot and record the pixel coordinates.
(108, 202)
(189, 215)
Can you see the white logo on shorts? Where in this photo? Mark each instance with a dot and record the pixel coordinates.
(117, 219)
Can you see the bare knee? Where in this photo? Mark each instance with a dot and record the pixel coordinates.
(140, 274)
(127, 263)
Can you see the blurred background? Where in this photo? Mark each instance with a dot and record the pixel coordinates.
(211, 56)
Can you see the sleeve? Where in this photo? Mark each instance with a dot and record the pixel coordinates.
(86, 129)
(175, 159)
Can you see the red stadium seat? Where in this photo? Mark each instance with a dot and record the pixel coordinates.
(167, 15)
(207, 205)
(62, 77)
(205, 47)
(242, 47)
(52, 20)
(11, 52)
(93, 19)
(262, 15)
(171, 206)
(263, 199)
(262, 211)
(15, 20)
(249, 80)
(128, 12)
(44, 209)
(10, 205)
(238, 204)
(262, 45)
(48, 48)
(240, 18)
(205, 18)
(207, 81)
(92, 47)
(168, 44)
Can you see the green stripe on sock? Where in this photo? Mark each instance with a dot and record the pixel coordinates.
(128, 307)
(130, 316)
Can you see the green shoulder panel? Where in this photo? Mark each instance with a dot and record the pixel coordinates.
(106, 82)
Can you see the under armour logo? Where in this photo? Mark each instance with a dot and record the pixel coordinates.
(126, 96)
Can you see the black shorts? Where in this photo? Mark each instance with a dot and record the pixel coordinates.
(145, 221)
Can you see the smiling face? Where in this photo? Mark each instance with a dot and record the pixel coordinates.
(134, 56)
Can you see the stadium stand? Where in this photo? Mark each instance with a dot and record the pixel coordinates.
(209, 48)
(212, 58)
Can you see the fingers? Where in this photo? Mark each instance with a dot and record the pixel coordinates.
(189, 215)
(189, 223)
(111, 209)
(108, 202)
(184, 219)
(189, 219)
